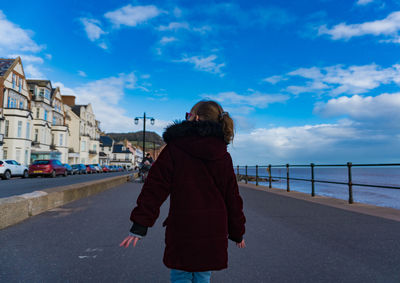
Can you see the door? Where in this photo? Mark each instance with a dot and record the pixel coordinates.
(18, 168)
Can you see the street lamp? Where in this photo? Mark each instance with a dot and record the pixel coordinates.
(152, 121)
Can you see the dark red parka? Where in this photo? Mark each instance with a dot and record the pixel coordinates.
(196, 171)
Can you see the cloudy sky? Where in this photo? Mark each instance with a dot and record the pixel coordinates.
(306, 81)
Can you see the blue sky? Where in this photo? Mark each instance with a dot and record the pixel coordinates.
(305, 81)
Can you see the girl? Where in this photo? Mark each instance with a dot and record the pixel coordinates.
(196, 171)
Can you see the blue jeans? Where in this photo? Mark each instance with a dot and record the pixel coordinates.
(180, 276)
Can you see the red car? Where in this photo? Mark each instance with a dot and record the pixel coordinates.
(90, 169)
(47, 167)
(106, 168)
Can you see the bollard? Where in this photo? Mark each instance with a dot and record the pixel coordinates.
(246, 175)
(349, 164)
(312, 180)
(269, 174)
(287, 178)
(256, 175)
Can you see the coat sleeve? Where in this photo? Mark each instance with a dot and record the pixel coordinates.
(155, 191)
(234, 205)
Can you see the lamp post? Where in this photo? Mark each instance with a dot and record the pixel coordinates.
(152, 120)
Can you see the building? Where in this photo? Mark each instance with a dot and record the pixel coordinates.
(121, 156)
(42, 110)
(85, 137)
(73, 122)
(59, 128)
(16, 111)
(106, 149)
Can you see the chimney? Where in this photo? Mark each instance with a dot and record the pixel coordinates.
(68, 99)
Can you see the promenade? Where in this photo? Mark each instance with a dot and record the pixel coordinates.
(288, 240)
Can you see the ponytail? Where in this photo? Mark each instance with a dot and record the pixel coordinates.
(227, 127)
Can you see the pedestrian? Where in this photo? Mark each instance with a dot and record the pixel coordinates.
(196, 172)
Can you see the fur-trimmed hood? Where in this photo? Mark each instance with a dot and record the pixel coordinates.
(202, 139)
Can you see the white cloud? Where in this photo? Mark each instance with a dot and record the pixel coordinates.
(32, 72)
(106, 96)
(389, 26)
(338, 79)
(308, 143)
(28, 58)
(205, 64)
(177, 12)
(132, 15)
(254, 100)
(82, 73)
(382, 107)
(174, 26)
(275, 79)
(364, 2)
(92, 28)
(15, 39)
(167, 39)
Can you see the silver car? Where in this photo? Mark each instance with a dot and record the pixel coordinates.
(11, 168)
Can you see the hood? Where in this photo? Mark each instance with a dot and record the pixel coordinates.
(201, 139)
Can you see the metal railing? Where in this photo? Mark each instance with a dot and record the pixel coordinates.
(256, 178)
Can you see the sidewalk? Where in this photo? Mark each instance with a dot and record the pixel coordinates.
(288, 240)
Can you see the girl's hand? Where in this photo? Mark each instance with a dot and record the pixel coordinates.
(241, 245)
(127, 241)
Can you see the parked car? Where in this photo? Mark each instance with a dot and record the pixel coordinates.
(90, 169)
(70, 170)
(98, 168)
(106, 169)
(80, 168)
(11, 168)
(47, 167)
(112, 168)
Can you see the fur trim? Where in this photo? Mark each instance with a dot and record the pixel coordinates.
(192, 128)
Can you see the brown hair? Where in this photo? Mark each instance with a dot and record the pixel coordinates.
(209, 110)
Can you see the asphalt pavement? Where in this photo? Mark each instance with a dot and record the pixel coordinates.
(18, 185)
(288, 240)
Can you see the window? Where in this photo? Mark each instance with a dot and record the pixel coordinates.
(83, 145)
(61, 139)
(14, 77)
(47, 93)
(36, 135)
(6, 129)
(19, 133)
(126, 157)
(115, 156)
(21, 104)
(20, 84)
(37, 113)
(45, 114)
(95, 147)
(26, 156)
(5, 154)
(54, 121)
(28, 130)
(18, 155)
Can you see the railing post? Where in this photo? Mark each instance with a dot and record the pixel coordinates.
(349, 164)
(269, 174)
(287, 178)
(238, 174)
(246, 175)
(312, 180)
(256, 175)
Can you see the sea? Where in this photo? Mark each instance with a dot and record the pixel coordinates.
(384, 176)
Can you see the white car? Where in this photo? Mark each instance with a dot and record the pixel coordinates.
(11, 168)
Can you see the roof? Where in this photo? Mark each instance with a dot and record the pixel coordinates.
(106, 141)
(77, 108)
(5, 64)
(117, 148)
(42, 83)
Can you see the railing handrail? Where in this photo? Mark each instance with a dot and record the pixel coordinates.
(349, 183)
